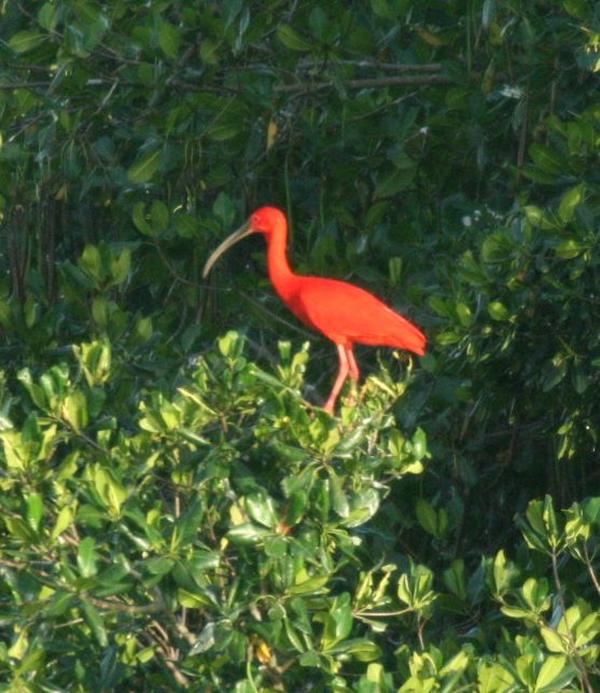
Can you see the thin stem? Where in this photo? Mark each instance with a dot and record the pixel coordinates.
(583, 676)
(132, 610)
(369, 83)
(381, 614)
(590, 568)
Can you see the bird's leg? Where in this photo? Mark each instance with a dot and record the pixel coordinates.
(354, 374)
(354, 371)
(339, 381)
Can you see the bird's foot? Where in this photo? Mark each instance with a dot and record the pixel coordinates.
(353, 397)
(329, 407)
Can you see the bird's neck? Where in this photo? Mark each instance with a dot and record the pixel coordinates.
(280, 272)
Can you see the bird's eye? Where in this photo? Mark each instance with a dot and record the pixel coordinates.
(255, 220)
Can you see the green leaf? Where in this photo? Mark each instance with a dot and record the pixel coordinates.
(498, 311)
(414, 588)
(587, 629)
(395, 182)
(120, 267)
(383, 8)
(419, 444)
(19, 647)
(547, 159)
(109, 490)
(554, 641)
(144, 328)
(187, 527)
(221, 132)
(91, 262)
(454, 578)
(87, 557)
(47, 16)
(100, 311)
(576, 8)
(169, 39)
(494, 678)
(496, 248)
(488, 13)
(262, 509)
(318, 22)
(24, 41)
(224, 209)
(427, 516)
(95, 359)
(96, 623)
(231, 345)
(569, 249)
(187, 226)
(569, 202)
(395, 270)
(550, 672)
(465, 316)
(440, 305)
(456, 665)
(276, 546)
(338, 623)
(551, 521)
(139, 219)
(361, 649)
(518, 612)
(209, 52)
(75, 410)
(64, 520)
(206, 639)
(292, 39)
(247, 533)
(35, 510)
(144, 167)
(534, 215)
(159, 565)
(339, 500)
(159, 217)
(193, 600)
(504, 573)
(591, 509)
(314, 584)
(525, 666)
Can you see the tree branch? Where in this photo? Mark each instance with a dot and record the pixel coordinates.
(369, 83)
(386, 67)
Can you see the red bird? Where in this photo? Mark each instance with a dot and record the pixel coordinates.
(344, 313)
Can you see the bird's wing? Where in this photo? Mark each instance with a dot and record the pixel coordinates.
(346, 314)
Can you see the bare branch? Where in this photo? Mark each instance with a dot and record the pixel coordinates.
(370, 83)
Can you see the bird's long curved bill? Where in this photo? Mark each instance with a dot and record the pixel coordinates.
(244, 230)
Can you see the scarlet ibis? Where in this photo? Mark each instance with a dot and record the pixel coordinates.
(344, 313)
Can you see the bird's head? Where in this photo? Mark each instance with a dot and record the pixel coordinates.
(264, 220)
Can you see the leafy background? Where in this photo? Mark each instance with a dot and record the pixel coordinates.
(176, 510)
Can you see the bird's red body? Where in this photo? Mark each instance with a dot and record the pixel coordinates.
(344, 313)
(347, 314)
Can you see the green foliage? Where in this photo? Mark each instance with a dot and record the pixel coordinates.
(232, 523)
(173, 513)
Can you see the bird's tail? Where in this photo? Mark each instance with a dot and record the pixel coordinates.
(411, 338)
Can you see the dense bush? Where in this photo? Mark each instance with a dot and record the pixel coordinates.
(176, 511)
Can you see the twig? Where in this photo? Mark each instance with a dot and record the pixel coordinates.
(113, 605)
(389, 67)
(277, 318)
(579, 663)
(178, 675)
(382, 614)
(369, 83)
(590, 568)
(4, 86)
